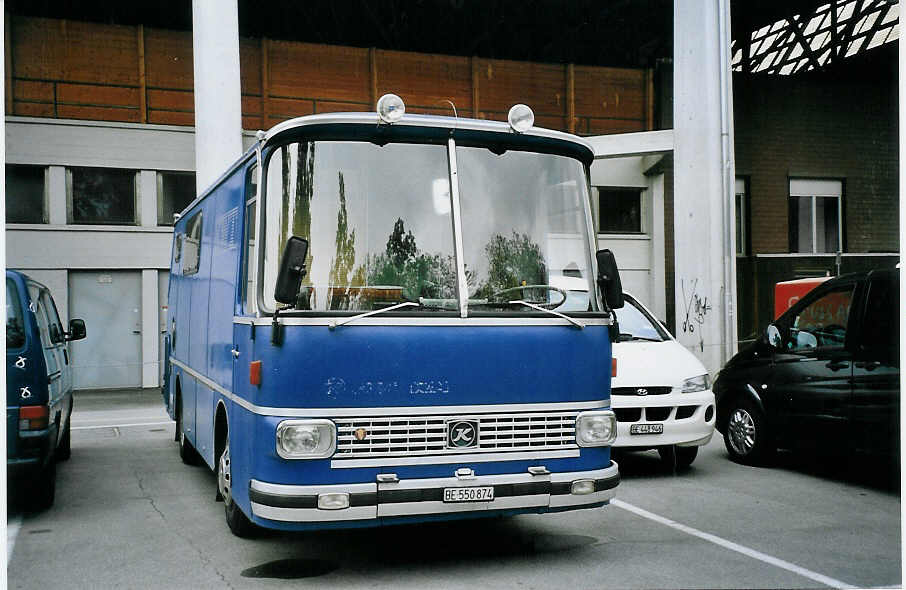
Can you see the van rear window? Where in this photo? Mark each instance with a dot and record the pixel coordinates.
(15, 325)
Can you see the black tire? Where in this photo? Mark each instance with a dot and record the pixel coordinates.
(747, 435)
(240, 524)
(44, 487)
(64, 450)
(685, 456)
(187, 452)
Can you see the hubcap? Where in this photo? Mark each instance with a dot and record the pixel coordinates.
(742, 432)
(223, 474)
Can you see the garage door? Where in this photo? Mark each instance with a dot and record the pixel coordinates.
(110, 303)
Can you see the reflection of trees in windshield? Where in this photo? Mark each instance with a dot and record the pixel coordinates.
(344, 259)
(418, 273)
(512, 261)
(297, 206)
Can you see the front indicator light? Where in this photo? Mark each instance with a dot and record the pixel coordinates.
(333, 501)
(306, 439)
(582, 487)
(596, 429)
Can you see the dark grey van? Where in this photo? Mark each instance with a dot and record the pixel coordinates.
(38, 388)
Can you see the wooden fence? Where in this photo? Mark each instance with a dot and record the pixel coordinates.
(79, 70)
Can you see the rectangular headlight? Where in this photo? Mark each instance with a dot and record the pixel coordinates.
(596, 429)
(699, 383)
(306, 439)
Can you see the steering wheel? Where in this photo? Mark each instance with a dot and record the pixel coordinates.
(523, 288)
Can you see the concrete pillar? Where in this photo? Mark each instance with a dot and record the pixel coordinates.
(658, 259)
(703, 201)
(218, 99)
(56, 195)
(150, 330)
(147, 198)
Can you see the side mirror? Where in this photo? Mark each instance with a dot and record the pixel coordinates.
(292, 270)
(609, 279)
(76, 330)
(773, 336)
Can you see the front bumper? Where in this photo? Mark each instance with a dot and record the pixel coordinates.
(423, 497)
(694, 430)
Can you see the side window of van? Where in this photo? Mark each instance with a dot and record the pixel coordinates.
(53, 318)
(822, 323)
(192, 245)
(15, 322)
(881, 326)
(42, 317)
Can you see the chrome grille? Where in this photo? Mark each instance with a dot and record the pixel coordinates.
(427, 435)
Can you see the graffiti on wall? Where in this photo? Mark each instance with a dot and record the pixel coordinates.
(696, 308)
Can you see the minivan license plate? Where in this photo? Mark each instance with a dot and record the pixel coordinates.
(646, 429)
(485, 494)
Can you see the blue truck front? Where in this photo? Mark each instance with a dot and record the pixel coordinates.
(426, 421)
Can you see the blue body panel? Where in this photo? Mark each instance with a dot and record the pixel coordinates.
(378, 366)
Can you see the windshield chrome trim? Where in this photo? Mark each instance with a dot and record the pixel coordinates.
(423, 321)
(462, 286)
(451, 123)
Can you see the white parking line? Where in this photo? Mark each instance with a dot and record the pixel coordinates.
(122, 425)
(733, 546)
(12, 529)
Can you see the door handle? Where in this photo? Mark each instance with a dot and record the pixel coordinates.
(837, 365)
(235, 353)
(868, 365)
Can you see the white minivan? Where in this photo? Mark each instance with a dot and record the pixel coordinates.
(660, 392)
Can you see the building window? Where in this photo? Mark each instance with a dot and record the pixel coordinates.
(741, 201)
(104, 196)
(175, 190)
(619, 210)
(26, 200)
(815, 214)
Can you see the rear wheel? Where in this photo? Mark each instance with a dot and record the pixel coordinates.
(187, 452)
(44, 486)
(747, 436)
(64, 450)
(239, 523)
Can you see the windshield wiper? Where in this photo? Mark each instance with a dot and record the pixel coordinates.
(573, 321)
(337, 323)
(624, 337)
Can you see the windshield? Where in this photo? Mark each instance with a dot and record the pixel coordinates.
(636, 325)
(380, 227)
(523, 224)
(377, 220)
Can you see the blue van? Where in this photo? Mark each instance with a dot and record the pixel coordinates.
(365, 325)
(38, 388)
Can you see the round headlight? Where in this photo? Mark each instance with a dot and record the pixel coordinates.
(390, 108)
(521, 118)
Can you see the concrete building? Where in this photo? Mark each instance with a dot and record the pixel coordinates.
(101, 145)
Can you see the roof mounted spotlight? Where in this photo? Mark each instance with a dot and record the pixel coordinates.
(390, 108)
(521, 118)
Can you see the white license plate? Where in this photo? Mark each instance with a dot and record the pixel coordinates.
(646, 429)
(485, 494)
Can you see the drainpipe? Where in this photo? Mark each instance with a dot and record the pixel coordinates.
(728, 183)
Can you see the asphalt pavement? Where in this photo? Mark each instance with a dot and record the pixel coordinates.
(129, 514)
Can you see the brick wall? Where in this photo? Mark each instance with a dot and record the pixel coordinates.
(839, 124)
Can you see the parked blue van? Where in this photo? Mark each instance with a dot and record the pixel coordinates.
(38, 388)
(365, 327)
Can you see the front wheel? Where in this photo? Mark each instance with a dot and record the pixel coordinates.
(239, 523)
(64, 450)
(747, 436)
